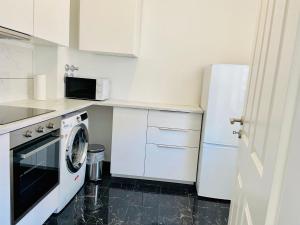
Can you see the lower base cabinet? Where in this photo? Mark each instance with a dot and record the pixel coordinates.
(167, 150)
(5, 206)
(171, 162)
(128, 141)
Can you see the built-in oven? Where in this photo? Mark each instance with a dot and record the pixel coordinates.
(34, 165)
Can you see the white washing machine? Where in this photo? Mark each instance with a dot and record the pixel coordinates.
(73, 154)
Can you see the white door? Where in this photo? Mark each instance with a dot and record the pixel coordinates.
(265, 113)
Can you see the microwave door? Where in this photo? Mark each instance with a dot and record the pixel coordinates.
(81, 88)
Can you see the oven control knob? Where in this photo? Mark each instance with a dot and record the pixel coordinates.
(28, 134)
(40, 129)
(50, 125)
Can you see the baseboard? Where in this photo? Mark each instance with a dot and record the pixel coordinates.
(152, 179)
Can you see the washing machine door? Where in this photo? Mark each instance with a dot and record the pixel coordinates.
(77, 148)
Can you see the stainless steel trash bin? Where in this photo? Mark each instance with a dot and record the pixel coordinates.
(95, 158)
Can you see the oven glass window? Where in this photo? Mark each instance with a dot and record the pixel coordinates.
(35, 172)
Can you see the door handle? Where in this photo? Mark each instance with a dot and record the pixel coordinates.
(25, 155)
(237, 120)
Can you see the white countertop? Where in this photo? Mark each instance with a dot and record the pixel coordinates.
(65, 106)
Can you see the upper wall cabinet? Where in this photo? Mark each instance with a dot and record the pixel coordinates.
(17, 15)
(52, 20)
(110, 26)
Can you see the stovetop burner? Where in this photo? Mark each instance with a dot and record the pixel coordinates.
(9, 114)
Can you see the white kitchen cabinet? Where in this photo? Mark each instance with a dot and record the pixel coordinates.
(172, 145)
(180, 120)
(171, 162)
(5, 180)
(110, 26)
(17, 15)
(166, 150)
(52, 20)
(176, 137)
(128, 141)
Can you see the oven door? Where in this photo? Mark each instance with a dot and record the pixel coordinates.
(35, 169)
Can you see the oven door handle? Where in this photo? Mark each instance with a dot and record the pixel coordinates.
(27, 155)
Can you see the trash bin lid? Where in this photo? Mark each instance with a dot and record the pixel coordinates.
(94, 148)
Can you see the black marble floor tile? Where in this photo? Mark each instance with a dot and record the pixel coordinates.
(151, 199)
(175, 215)
(121, 201)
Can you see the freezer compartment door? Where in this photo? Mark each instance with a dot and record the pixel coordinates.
(216, 171)
(224, 99)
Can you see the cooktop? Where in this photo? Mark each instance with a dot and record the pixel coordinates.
(9, 114)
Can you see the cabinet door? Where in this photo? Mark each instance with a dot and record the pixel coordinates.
(171, 162)
(17, 15)
(128, 141)
(51, 20)
(110, 26)
(5, 180)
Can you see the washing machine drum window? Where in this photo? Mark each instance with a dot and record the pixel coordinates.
(77, 148)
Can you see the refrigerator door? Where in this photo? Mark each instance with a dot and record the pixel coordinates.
(223, 98)
(216, 171)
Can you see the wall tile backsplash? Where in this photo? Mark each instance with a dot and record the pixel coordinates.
(16, 68)
(15, 89)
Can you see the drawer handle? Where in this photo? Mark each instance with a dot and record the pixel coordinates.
(172, 129)
(170, 146)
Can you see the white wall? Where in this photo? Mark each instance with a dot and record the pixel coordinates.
(100, 129)
(179, 38)
(15, 70)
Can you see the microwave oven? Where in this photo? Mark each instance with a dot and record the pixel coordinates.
(87, 88)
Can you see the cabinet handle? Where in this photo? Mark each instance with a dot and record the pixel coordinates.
(170, 146)
(172, 129)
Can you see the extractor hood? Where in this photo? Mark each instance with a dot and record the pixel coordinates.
(6, 33)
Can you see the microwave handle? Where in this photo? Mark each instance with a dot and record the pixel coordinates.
(27, 155)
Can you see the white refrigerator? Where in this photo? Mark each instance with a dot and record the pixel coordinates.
(223, 97)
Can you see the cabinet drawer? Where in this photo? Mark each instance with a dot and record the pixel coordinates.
(179, 120)
(172, 163)
(172, 136)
